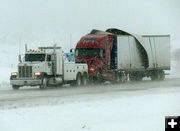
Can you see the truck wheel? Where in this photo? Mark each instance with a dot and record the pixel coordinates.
(135, 76)
(123, 77)
(155, 75)
(139, 77)
(78, 80)
(15, 87)
(162, 75)
(84, 80)
(99, 78)
(117, 78)
(132, 77)
(44, 83)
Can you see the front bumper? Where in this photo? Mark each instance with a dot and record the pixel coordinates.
(92, 73)
(26, 82)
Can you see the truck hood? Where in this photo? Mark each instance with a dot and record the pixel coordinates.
(36, 66)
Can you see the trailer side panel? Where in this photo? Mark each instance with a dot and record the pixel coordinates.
(129, 57)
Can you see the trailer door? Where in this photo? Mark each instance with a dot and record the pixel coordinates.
(162, 51)
(158, 48)
(153, 50)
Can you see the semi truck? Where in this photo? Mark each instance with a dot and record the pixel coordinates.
(118, 56)
(48, 66)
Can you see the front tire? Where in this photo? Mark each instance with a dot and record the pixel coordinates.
(15, 87)
(44, 83)
(117, 78)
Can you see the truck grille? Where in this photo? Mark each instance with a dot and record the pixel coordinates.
(25, 71)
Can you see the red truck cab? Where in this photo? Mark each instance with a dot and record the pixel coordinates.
(95, 50)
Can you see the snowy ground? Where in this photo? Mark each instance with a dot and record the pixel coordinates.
(131, 106)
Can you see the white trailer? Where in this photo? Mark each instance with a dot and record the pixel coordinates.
(48, 66)
(158, 50)
(140, 56)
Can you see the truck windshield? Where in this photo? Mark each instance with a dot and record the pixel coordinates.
(35, 57)
(90, 52)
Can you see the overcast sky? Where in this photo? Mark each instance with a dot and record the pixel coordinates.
(44, 22)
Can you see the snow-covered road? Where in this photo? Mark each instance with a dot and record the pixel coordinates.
(133, 106)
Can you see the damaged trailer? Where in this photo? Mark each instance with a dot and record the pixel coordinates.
(121, 55)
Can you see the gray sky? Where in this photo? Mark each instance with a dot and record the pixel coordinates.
(42, 22)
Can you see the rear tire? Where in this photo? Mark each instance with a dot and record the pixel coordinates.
(132, 77)
(135, 76)
(84, 80)
(15, 87)
(162, 75)
(155, 75)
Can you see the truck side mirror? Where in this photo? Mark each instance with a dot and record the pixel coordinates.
(19, 58)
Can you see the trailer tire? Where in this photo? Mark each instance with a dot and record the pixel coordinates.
(155, 75)
(44, 83)
(99, 78)
(132, 77)
(84, 79)
(15, 87)
(135, 76)
(162, 75)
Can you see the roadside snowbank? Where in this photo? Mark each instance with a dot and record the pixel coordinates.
(5, 74)
(137, 113)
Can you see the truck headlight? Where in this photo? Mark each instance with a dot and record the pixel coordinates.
(14, 74)
(38, 73)
(92, 69)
